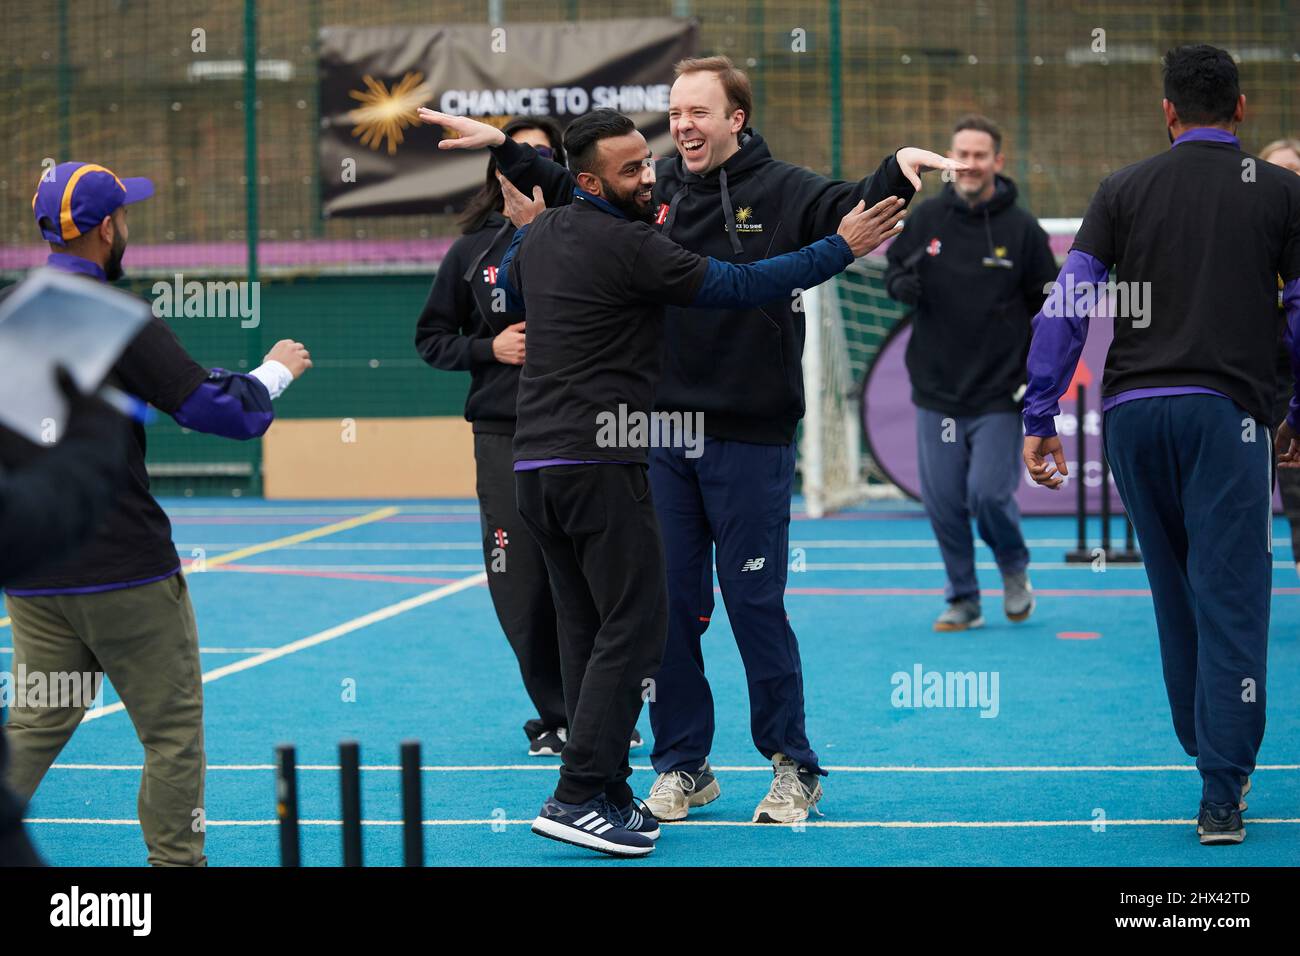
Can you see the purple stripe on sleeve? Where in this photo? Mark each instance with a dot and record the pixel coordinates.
(1291, 304)
(1059, 331)
(229, 405)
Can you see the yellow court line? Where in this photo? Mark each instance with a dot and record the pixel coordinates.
(321, 637)
(378, 514)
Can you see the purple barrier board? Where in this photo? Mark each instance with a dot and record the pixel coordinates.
(890, 420)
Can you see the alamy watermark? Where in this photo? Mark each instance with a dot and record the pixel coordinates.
(208, 300)
(638, 429)
(924, 689)
(1080, 299)
(25, 689)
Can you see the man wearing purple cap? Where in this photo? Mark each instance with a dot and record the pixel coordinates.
(119, 604)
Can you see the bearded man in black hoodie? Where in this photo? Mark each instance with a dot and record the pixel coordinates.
(972, 265)
(723, 195)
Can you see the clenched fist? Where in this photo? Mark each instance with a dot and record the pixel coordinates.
(292, 355)
(508, 346)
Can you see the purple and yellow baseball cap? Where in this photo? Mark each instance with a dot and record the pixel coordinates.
(75, 197)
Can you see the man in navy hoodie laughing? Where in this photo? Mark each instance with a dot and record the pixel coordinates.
(724, 196)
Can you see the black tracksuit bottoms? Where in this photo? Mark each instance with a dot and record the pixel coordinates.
(521, 593)
(597, 529)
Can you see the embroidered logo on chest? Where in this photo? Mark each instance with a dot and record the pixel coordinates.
(745, 220)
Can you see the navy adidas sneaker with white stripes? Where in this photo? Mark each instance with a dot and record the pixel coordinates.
(594, 825)
(638, 818)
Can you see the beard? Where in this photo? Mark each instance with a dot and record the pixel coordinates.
(627, 204)
(113, 267)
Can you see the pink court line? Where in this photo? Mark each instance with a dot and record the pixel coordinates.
(930, 592)
(335, 575)
(1041, 592)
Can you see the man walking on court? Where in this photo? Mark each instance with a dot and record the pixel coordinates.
(723, 195)
(1202, 232)
(594, 277)
(971, 266)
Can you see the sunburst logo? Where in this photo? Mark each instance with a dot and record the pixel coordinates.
(745, 220)
(384, 114)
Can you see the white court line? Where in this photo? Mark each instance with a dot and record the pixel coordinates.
(321, 637)
(810, 824)
(362, 568)
(766, 768)
(880, 566)
(202, 650)
(358, 546)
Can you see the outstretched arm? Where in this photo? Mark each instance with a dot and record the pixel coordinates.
(826, 200)
(519, 162)
(664, 271)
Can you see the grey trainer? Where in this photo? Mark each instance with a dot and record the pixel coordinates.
(1017, 596)
(960, 616)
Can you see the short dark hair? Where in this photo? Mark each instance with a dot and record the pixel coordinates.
(982, 124)
(1201, 81)
(586, 131)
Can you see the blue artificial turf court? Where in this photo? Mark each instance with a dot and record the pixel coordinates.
(323, 621)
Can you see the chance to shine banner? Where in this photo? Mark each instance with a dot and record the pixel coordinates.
(376, 158)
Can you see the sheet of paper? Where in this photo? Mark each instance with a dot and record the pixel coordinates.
(51, 319)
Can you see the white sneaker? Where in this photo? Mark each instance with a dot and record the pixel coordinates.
(794, 792)
(675, 792)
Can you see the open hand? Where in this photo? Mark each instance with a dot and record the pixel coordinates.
(473, 134)
(864, 229)
(913, 160)
(519, 209)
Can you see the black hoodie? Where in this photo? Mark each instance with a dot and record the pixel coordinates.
(741, 369)
(458, 324)
(982, 272)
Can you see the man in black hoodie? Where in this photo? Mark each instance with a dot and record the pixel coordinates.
(723, 195)
(972, 265)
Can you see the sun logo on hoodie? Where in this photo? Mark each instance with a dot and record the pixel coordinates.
(744, 223)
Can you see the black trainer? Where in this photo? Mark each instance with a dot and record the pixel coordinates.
(594, 825)
(1220, 823)
(548, 743)
(636, 740)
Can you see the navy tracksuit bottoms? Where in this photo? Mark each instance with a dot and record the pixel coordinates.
(970, 467)
(1195, 474)
(734, 497)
